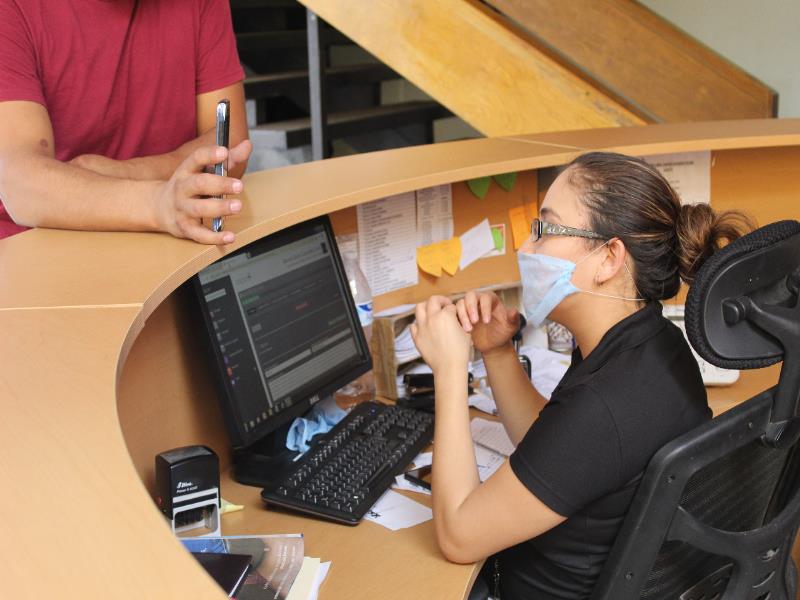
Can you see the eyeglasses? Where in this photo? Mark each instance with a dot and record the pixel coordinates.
(540, 228)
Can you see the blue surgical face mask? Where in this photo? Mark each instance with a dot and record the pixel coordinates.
(547, 280)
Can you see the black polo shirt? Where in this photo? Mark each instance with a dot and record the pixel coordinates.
(584, 455)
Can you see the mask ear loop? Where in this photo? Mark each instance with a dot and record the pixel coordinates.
(626, 269)
(635, 287)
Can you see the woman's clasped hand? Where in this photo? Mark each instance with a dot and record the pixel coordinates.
(439, 337)
(443, 329)
(490, 323)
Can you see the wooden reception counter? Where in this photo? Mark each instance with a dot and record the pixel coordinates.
(98, 365)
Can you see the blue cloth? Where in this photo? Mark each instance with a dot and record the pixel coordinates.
(320, 419)
(205, 545)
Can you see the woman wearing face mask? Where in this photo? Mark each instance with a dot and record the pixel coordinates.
(613, 241)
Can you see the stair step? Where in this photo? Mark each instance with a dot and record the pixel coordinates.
(275, 84)
(297, 132)
(258, 41)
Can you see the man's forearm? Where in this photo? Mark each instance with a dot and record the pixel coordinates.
(66, 196)
(156, 167)
(518, 402)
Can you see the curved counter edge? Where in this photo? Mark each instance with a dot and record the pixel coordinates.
(69, 320)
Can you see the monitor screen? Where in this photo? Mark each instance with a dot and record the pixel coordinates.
(283, 328)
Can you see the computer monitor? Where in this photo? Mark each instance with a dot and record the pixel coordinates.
(282, 327)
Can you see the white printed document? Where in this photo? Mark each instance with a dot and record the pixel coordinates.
(491, 435)
(434, 214)
(689, 174)
(387, 242)
(488, 461)
(394, 511)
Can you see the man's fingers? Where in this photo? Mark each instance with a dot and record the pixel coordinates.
(239, 153)
(198, 233)
(200, 158)
(199, 209)
(205, 184)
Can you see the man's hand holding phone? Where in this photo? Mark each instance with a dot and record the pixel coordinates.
(197, 189)
(182, 202)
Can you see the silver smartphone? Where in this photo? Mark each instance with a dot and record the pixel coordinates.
(223, 138)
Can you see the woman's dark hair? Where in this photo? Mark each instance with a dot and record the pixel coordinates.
(629, 199)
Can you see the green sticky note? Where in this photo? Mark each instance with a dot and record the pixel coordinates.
(497, 236)
(479, 186)
(506, 180)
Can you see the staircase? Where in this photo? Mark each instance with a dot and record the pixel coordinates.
(361, 113)
(350, 76)
(510, 67)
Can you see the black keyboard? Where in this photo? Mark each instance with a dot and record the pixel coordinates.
(346, 471)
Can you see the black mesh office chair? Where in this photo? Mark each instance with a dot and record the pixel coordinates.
(717, 511)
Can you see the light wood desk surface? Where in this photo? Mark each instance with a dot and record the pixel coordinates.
(74, 307)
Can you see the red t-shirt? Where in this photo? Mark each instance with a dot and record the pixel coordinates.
(118, 77)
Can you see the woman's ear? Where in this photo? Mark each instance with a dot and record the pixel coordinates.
(613, 261)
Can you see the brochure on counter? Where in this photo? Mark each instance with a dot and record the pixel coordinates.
(274, 565)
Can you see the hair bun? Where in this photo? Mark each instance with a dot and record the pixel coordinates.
(701, 232)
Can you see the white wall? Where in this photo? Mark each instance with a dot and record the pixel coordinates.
(762, 37)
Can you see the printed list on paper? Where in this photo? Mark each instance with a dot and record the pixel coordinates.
(434, 214)
(387, 242)
(689, 174)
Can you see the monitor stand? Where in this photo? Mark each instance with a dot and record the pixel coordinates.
(266, 461)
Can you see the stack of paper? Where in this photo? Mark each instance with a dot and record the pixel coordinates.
(404, 348)
(309, 579)
(492, 446)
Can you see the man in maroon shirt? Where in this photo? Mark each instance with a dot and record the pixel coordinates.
(107, 113)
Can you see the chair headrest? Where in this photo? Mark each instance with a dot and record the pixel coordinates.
(764, 265)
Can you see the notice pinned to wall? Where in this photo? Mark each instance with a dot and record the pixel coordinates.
(387, 242)
(434, 214)
(689, 174)
(475, 243)
(440, 256)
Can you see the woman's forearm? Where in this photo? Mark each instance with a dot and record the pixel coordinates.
(455, 473)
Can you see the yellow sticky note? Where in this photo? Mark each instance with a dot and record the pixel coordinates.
(520, 227)
(429, 259)
(521, 218)
(451, 254)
